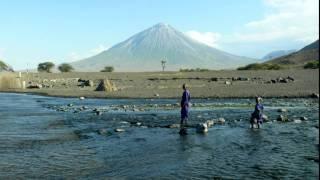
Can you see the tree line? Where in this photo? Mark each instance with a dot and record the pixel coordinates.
(64, 67)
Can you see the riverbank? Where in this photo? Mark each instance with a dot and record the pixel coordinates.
(212, 84)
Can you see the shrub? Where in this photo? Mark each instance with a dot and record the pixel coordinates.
(312, 65)
(258, 66)
(65, 67)
(108, 69)
(45, 67)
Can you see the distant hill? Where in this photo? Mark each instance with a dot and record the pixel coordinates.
(145, 50)
(276, 54)
(299, 58)
(4, 67)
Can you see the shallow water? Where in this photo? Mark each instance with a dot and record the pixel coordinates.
(43, 137)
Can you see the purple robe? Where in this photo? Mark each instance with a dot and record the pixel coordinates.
(185, 104)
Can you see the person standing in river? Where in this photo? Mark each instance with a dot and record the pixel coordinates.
(184, 104)
(256, 116)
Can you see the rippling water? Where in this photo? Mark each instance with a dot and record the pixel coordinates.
(43, 137)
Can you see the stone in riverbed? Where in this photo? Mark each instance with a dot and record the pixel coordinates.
(103, 132)
(98, 113)
(174, 126)
(202, 128)
(265, 117)
(282, 118)
(221, 121)
(303, 118)
(314, 95)
(282, 110)
(209, 123)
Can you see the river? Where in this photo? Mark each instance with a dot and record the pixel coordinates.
(63, 138)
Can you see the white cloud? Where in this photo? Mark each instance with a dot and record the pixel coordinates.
(208, 38)
(297, 20)
(74, 56)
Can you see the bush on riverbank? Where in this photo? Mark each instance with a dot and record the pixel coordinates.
(312, 65)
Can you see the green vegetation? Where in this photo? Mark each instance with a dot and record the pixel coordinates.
(194, 70)
(108, 69)
(3, 65)
(312, 65)
(65, 67)
(258, 66)
(45, 67)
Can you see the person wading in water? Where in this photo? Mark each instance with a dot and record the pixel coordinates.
(184, 104)
(256, 116)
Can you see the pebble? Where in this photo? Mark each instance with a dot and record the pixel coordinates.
(119, 130)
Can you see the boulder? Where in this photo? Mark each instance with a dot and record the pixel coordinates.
(106, 85)
(202, 128)
(303, 118)
(35, 86)
(315, 95)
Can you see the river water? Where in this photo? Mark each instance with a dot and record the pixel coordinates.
(63, 138)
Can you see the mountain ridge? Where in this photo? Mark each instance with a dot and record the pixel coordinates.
(143, 51)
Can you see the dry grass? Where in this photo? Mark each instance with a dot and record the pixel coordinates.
(9, 81)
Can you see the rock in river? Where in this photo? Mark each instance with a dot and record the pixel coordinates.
(119, 130)
(202, 128)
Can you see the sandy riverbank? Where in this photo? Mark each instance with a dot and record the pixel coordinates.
(213, 84)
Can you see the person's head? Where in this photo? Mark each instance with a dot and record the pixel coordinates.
(258, 99)
(184, 86)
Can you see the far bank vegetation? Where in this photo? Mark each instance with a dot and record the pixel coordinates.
(108, 69)
(65, 67)
(312, 65)
(45, 67)
(258, 66)
(194, 70)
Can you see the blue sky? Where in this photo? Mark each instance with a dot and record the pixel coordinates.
(34, 31)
